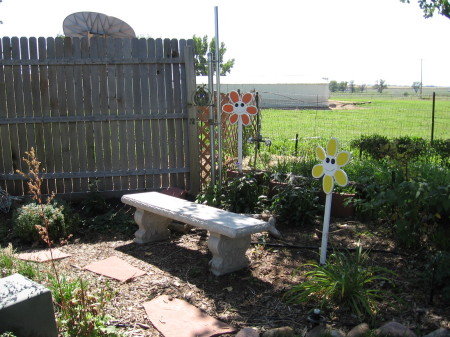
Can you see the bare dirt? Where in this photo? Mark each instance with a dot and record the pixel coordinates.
(343, 105)
(251, 297)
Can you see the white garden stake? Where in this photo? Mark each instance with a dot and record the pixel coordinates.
(330, 169)
(240, 110)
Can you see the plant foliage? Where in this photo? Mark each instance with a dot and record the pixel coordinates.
(347, 280)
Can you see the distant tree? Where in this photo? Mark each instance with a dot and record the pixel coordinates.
(201, 49)
(416, 86)
(429, 6)
(362, 87)
(380, 86)
(333, 86)
(343, 86)
(351, 86)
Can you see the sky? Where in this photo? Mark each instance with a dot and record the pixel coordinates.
(276, 41)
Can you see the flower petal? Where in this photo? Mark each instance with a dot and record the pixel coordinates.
(234, 96)
(245, 119)
(229, 108)
(247, 98)
(251, 109)
(328, 184)
(332, 147)
(320, 152)
(234, 118)
(341, 177)
(317, 171)
(343, 158)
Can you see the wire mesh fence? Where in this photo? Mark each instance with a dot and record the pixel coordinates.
(350, 116)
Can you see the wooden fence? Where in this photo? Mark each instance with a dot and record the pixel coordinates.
(116, 111)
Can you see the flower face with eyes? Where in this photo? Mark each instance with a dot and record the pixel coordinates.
(239, 108)
(330, 168)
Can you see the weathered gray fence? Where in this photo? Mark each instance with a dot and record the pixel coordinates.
(114, 110)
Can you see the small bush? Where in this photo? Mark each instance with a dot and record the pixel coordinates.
(61, 221)
(438, 275)
(347, 280)
(375, 146)
(296, 204)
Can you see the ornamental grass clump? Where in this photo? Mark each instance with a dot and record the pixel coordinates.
(346, 280)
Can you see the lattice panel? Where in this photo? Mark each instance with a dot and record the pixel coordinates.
(229, 140)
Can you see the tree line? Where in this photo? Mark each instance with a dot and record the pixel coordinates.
(350, 86)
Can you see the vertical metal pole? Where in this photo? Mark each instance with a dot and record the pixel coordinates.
(421, 83)
(432, 117)
(258, 129)
(296, 144)
(212, 129)
(218, 103)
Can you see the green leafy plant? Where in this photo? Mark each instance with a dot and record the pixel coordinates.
(10, 264)
(347, 280)
(28, 219)
(296, 204)
(241, 194)
(83, 311)
(437, 275)
(375, 146)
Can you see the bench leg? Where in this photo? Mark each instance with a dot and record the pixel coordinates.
(228, 254)
(152, 227)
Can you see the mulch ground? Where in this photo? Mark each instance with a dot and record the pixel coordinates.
(251, 297)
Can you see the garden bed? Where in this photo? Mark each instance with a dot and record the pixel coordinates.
(251, 297)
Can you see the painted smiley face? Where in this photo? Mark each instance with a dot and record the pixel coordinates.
(330, 166)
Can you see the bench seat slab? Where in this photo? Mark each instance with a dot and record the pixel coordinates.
(228, 253)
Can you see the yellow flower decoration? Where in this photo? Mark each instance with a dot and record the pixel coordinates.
(330, 168)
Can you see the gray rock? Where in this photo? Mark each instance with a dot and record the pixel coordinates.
(279, 332)
(358, 330)
(316, 331)
(395, 329)
(336, 333)
(441, 332)
(248, 332)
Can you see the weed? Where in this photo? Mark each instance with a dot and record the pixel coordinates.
(80, 313)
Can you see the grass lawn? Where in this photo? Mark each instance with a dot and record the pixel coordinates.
(388, 116)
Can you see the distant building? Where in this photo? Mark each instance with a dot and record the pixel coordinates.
(279, 93)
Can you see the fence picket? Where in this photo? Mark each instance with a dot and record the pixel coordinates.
(5, 130)
(122, 125)
(162, 110)
(154, 124)
(113, 125)
(136, 51)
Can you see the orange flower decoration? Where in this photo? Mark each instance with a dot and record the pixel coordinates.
(240, 108)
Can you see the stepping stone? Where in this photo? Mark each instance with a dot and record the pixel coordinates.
(176, 318)
(42, 255)
(115, 268)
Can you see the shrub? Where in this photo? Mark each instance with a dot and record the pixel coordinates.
(347, 280)
(241, 195)
(375, 146)
(437, 274)
(417, 210)
(61, 221)
(297, 204)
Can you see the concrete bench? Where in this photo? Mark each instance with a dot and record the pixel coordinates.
(229, 233)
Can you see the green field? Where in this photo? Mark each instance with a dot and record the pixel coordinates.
(380, 114)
